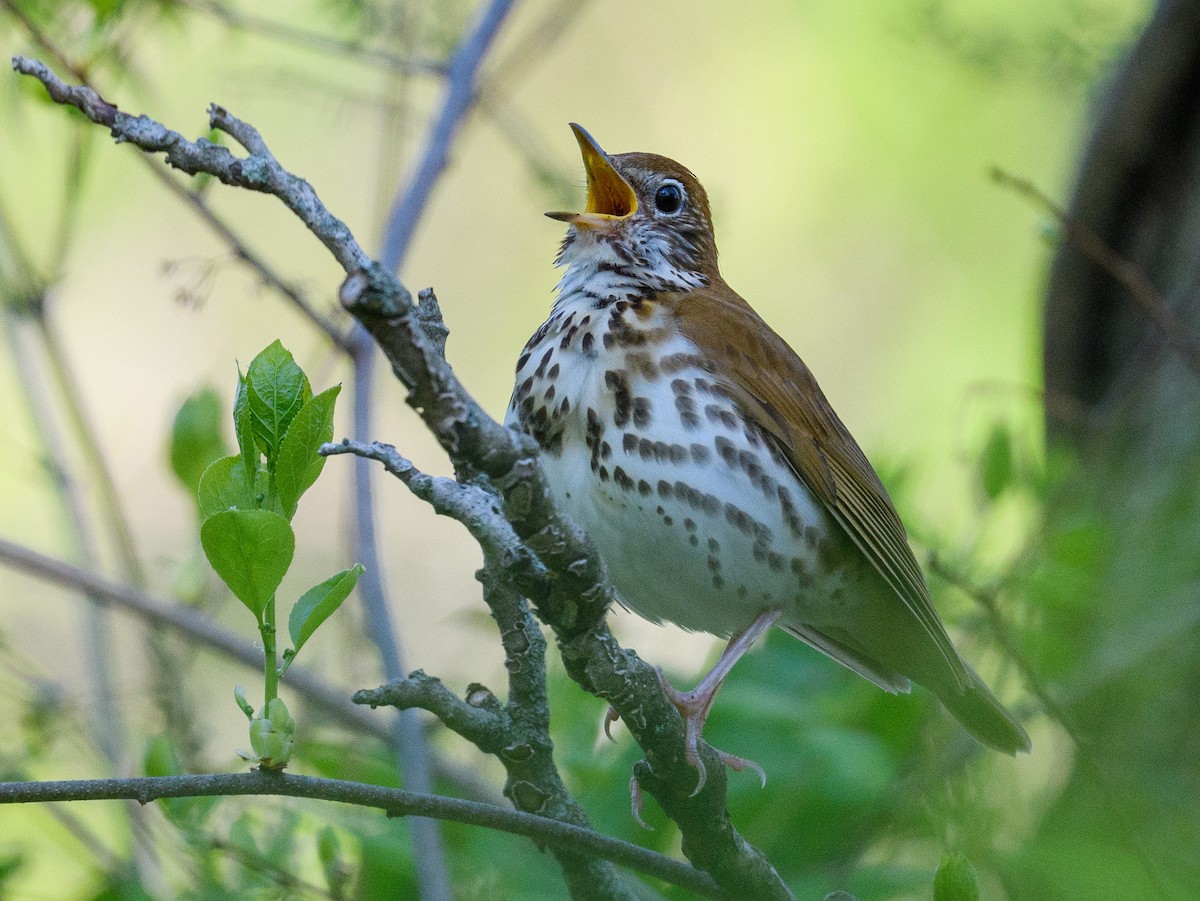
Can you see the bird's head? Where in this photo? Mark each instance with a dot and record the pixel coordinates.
(648, 213)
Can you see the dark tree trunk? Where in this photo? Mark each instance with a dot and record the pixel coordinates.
(1119, 584)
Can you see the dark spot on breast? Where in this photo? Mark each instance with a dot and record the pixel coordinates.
(586, 344)
(618, 384)
(605, 450)
(522, 361)
(700, 453)
(791, 518)
(739, 519)
(624, 482)
(689, 524)
(549, 395)
(677, 362)
(717, 414)
(664, 488)
(686, 407)
(629, 442)
(644, 488)
(641, 412)
(541, 368)
(726, 449)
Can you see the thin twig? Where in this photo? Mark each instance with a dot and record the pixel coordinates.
(106, 720)
(475, 508)
(393, 801)
(1123, 270)
(460, 96)
(355, 51)
(195, 201)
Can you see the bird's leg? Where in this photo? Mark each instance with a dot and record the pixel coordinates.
(694, 705)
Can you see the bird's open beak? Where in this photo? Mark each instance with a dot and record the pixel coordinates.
(610, 197)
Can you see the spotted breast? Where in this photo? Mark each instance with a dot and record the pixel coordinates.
(699, 453)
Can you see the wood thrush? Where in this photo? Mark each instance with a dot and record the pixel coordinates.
(698, 452)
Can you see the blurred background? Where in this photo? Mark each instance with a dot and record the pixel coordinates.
(851, 154)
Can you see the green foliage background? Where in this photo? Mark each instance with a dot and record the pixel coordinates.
(846, 148)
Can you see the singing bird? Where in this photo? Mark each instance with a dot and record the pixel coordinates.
(698, 452)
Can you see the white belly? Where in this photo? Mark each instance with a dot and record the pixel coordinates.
(699, 522)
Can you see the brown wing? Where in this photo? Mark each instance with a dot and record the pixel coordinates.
(778, 393)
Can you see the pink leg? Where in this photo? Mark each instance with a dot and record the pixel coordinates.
(694, 705)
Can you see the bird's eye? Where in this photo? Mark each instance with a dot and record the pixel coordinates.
(669, 198)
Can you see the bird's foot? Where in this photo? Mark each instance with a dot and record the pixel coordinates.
(694, 707)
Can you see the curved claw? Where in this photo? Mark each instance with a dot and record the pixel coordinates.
(693, 706)
(702, 777)
(637, 803)
(737, 764)
(610, 716)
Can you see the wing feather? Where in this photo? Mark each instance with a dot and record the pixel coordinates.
(779, 394)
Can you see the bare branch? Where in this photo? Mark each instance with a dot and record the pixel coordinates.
(1126, 272)
(577, 599)
(354, 51)
(478, 510)
(395, 802)
(460, 96)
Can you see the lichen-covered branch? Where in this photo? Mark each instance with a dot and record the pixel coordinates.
(516, 732)
(574, 599)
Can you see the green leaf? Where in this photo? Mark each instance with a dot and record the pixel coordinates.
(160, 757)
(224, 487)
(196, 439)
(329, 853)
(251, 551)
(996, 464)
(316, 604)
(955, 879)
(243, 426)
(276, 390)
(299, 464)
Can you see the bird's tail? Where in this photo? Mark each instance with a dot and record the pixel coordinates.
(985, 717)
